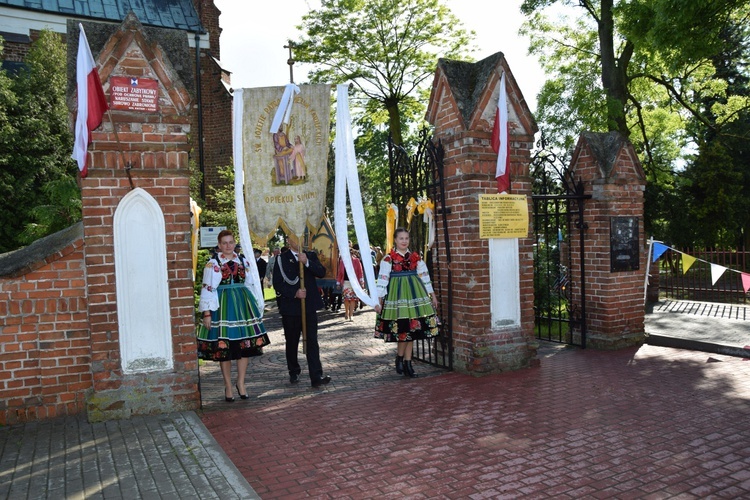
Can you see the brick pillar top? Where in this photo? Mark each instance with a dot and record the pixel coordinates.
(464, 100)
(606, 157)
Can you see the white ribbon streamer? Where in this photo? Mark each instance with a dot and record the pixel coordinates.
(347, 177)
(284, 111)
(429, 219)
(256, 287)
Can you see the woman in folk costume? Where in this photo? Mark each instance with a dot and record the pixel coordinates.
(350, 298)
(232, 327)
(406, 311)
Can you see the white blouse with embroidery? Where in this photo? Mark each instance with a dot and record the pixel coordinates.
(209, 299)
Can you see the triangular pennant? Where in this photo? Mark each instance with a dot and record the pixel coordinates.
(745, 281)
(659, 249)
(716, 272)
(687, 261)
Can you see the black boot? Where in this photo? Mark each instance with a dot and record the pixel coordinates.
(408, 369)
(400, 365)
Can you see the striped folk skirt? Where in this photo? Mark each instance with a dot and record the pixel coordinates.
(237, 329)
(407, 310)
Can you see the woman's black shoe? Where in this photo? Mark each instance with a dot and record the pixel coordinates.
(242, 396)
(408, 369)
(400, 365)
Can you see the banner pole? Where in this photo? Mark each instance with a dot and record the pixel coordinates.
(303, 307)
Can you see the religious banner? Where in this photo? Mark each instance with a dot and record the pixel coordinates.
(286, 171)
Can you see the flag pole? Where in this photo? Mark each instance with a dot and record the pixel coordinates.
(648, 269)
(127, 165)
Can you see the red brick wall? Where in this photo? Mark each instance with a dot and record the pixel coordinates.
(470, 166)
(217, 127)
(45, 352)
(217, 106)
(15, 51)
(614, 300)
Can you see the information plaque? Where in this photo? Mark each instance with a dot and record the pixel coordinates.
(133, 94)
(210, 236)
(503, 216)
(623, 242)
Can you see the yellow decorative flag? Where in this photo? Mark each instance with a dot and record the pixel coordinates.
(687, 261)
(410, 207)
(390, 226)
(195, 212)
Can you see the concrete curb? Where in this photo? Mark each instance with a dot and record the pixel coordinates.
(694, 345)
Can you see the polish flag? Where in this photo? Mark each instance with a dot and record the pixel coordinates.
(91, 102)
(500, 141)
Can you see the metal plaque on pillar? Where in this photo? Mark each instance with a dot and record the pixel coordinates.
(624, 250)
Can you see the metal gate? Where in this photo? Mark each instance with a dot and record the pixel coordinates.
(417, 176)
(559, 263)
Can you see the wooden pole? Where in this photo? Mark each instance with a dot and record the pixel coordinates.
(303, 304)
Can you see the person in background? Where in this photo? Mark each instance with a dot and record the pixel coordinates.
(269, 268)
(289, 297)
(407, 301)
(342, 279)
(232, 327)
(260, 262)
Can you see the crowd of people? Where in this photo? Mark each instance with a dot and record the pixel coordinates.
(232, 328)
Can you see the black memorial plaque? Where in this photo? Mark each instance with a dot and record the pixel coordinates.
(623, 242)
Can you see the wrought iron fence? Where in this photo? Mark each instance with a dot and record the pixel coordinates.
(421, 175)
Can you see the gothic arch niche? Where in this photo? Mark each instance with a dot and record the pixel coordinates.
(143, 314)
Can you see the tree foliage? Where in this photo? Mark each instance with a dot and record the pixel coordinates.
(38, 189)
(659, 72)
(387, 49)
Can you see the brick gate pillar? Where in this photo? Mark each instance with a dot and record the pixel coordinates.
(462, 109)
(615, 246)
(156, 144)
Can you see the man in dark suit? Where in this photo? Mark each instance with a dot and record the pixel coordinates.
(260, 263)
(289, 296)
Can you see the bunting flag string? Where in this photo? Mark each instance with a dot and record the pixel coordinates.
(717, 271)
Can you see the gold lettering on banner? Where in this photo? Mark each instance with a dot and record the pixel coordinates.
(306, 196)
(270, 108)
(279, 199)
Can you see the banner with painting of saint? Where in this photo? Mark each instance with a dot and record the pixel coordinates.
(285, 169)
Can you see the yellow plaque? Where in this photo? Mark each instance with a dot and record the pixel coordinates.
(503, 216)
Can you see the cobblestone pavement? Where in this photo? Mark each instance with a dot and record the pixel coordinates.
(162, 456)
(646, 422)
(348, 352)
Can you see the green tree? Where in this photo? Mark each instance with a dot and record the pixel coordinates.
(716, 181)
(38, 190)
(664, 54)
(388, 49)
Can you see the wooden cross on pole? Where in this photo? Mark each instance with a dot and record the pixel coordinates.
(290, 61)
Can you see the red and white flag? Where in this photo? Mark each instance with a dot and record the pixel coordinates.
(91, 102)
(500, 142)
